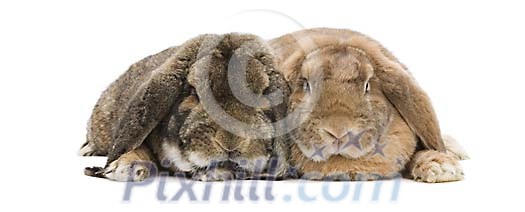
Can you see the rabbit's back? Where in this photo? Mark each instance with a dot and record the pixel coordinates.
(113, 100)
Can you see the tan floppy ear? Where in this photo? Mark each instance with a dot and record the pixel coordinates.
(292, 65)
(413, 104)
(153, 100)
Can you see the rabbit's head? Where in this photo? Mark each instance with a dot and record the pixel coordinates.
(345, 90)
(227, 118)
(206, 142)
(348, 112)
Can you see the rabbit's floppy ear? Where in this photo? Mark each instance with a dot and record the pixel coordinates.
(414, 106)
(153, 99)
(281, 144)
(408, 98)
(278, 94)
(277, 90)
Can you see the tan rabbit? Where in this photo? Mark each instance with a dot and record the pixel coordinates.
(362, 116)
(157, 112)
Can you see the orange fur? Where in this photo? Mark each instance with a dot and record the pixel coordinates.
(395, 113)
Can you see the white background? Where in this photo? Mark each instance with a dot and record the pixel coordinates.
(56, 57)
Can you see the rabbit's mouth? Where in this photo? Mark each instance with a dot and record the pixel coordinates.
(357, 145)
(350, 145)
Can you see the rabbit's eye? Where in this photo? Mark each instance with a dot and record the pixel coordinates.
(367, 87)
(306, 86)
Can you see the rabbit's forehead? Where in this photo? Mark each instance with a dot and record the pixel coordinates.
(341, 63)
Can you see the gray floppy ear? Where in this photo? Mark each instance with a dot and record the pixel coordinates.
(413, 104)
(281, 144)
(262, 77)
(278, 89)
(278, 92)
(153, 100)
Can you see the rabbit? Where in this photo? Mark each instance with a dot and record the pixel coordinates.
(360, 113)
(163, 111)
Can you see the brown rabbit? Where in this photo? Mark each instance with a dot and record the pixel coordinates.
(160, 111)
(361, 115)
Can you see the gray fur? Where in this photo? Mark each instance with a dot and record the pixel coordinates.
(154, 105)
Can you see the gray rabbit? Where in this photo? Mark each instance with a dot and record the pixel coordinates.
(181, 109)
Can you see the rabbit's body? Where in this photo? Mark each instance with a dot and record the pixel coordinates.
(365, 117)
(159, 112)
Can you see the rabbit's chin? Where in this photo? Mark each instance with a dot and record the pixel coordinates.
(320, 153)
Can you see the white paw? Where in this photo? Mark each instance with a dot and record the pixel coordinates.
(436, 167)
(124, 171)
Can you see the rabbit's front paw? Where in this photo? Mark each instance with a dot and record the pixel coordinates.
(434, 167)
(126, 170)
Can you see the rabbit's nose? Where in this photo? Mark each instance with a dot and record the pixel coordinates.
(336, 132)
(344, 138)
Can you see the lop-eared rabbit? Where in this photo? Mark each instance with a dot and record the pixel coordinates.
(360, 113)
